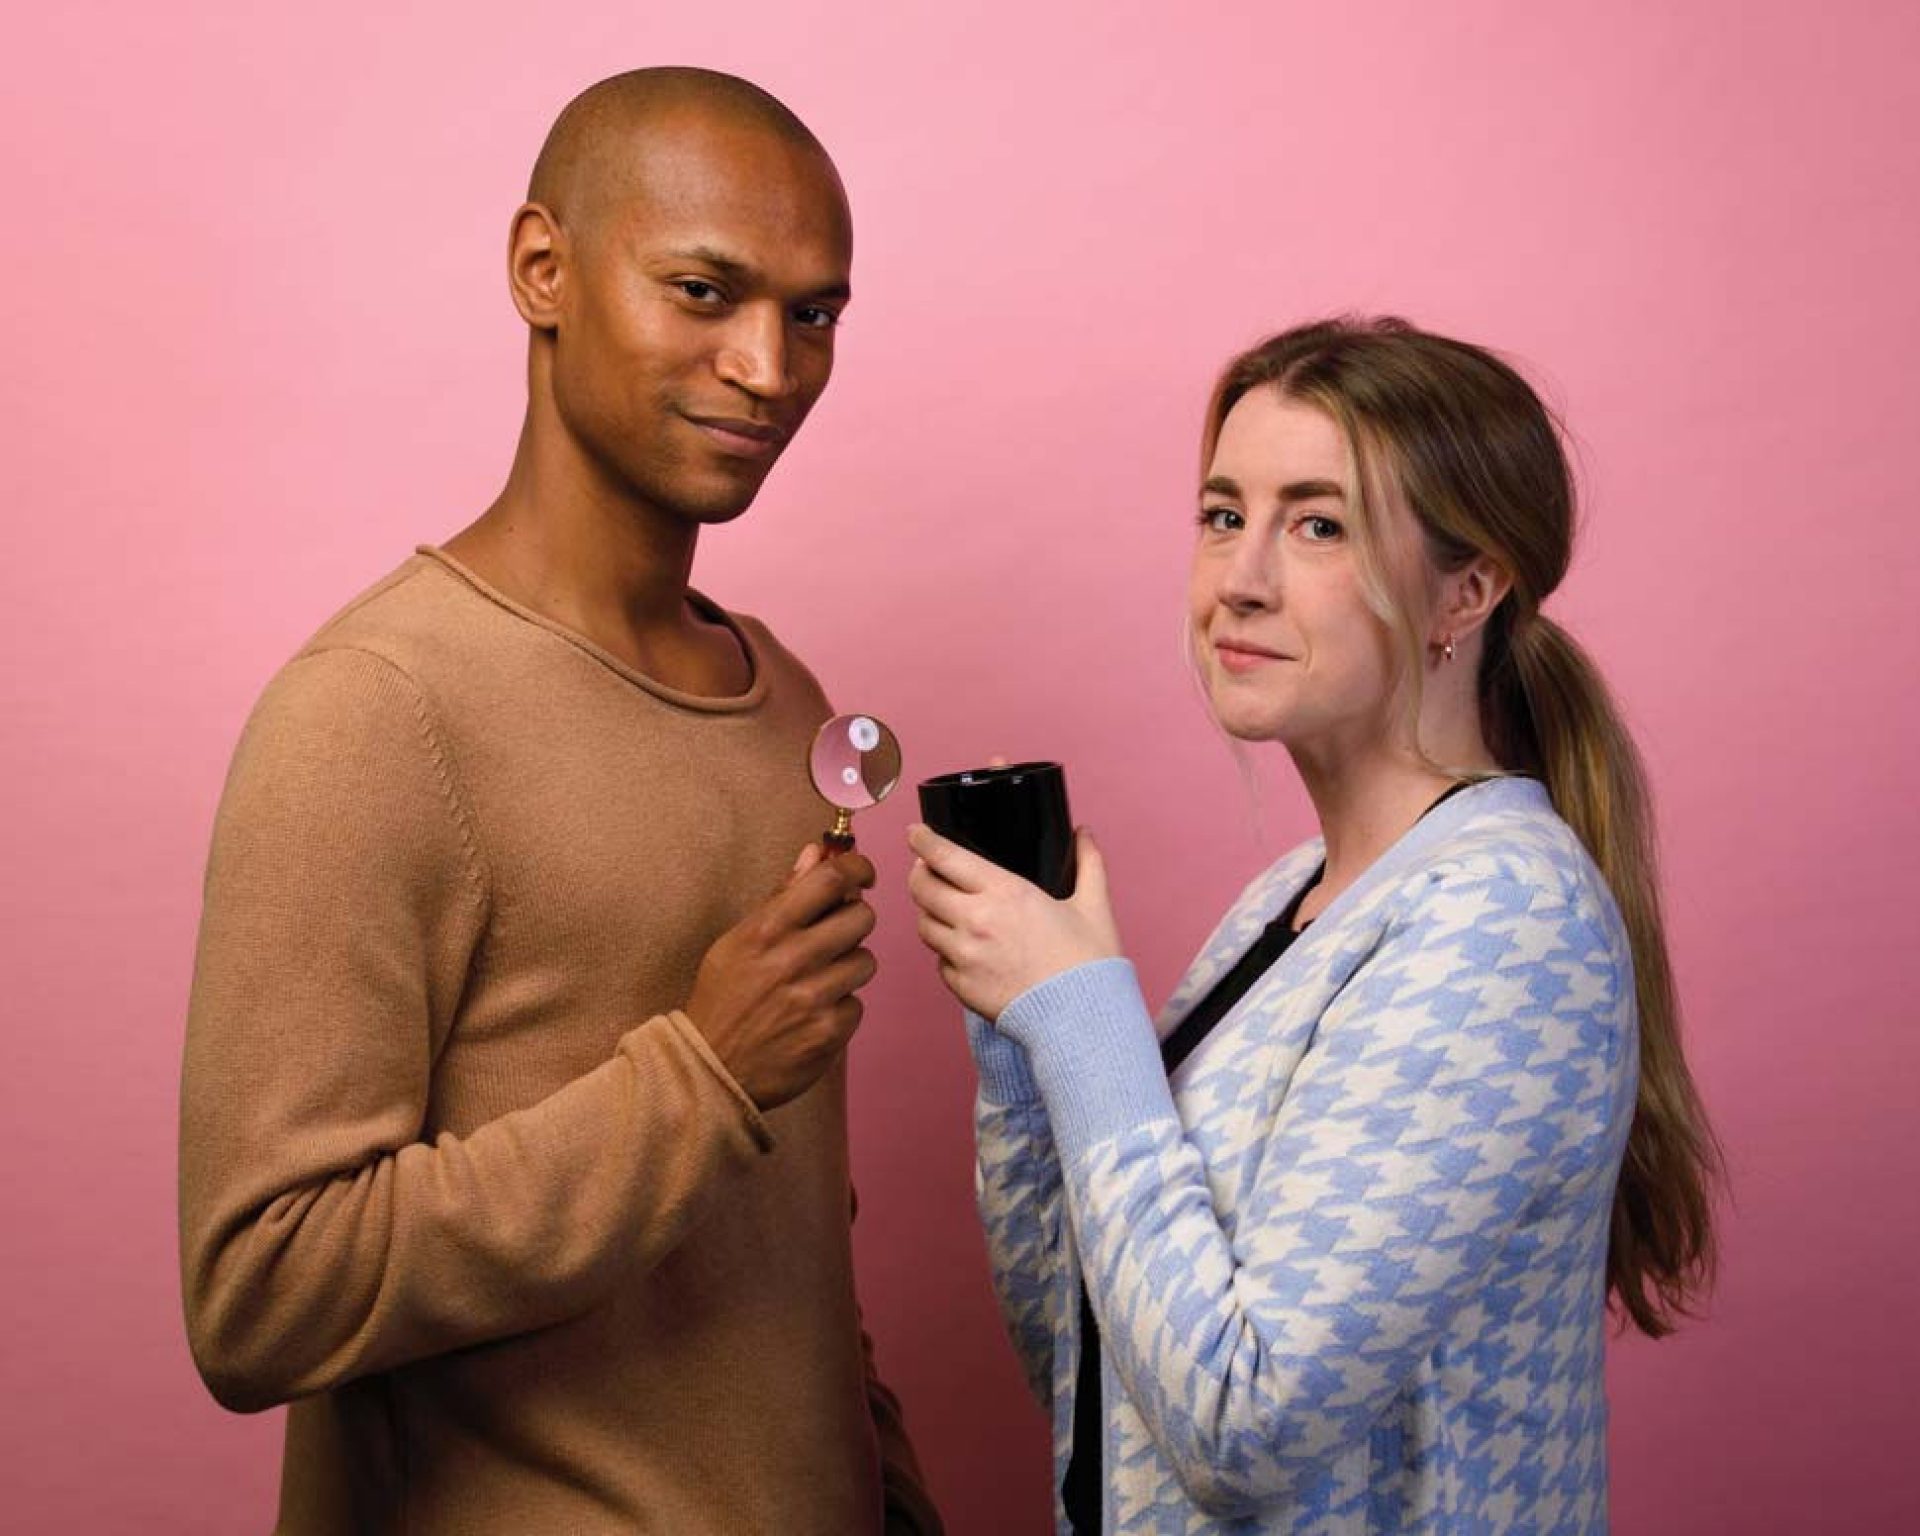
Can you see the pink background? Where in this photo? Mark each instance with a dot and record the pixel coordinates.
(258, 344)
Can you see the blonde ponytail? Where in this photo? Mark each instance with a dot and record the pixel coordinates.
(1550, 713)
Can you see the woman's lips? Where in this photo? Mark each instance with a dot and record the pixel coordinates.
(1238, 657)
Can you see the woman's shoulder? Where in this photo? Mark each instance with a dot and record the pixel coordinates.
(1505, 834)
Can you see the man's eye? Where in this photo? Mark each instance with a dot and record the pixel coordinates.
(817, 318)
(699, 290)
(1220, 519)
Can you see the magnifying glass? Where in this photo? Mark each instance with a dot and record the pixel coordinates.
(855, 762)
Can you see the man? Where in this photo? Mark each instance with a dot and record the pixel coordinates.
(513, 1143)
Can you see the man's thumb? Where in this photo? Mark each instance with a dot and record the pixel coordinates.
(810, 855)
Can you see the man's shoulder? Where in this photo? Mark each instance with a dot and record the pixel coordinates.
(414, 614)
(385, 650)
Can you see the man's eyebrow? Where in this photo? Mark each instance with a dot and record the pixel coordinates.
(740, 272)
(1298, 490)
(707, 256)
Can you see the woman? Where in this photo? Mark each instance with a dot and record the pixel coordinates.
(1348, 1232)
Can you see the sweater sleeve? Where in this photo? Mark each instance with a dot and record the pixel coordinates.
(1017, 1190)
(1470, 1066)
(323, 1236)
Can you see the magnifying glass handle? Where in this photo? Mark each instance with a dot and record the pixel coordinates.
(839, 838)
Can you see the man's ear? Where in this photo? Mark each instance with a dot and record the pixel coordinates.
(537, 256)
(1468, 597)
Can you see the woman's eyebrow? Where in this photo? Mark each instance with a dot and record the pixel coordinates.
(1297, 490)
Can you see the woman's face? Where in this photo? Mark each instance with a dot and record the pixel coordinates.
(1289, 646)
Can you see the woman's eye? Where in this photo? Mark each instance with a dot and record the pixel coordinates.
(1220, 519)
(1320, 530)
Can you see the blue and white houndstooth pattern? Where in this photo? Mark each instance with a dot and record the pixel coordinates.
(1350, 1266)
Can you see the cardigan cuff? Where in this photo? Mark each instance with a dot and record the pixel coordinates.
(1005, 1078)
(1092, 1051)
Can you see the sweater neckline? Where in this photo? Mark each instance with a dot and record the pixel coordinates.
(726, 704)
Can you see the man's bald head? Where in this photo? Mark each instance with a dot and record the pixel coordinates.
(594, 150)
(682, 262)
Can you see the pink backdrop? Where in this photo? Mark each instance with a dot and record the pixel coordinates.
(259, 344)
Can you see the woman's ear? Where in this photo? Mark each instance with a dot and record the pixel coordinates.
(537, 256)
(1468, 597)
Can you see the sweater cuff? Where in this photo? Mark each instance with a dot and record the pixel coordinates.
(1091, 1048)
(1005, 1078)
(750, 1112)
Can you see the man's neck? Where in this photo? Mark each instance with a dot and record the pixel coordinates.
(560, 541)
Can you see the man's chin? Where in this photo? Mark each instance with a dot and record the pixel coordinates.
(715, 503)
(721, 508)
(713, 517)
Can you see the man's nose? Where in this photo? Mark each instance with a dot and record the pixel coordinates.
(754, 352)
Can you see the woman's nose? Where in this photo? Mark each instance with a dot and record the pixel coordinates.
(1250, 581)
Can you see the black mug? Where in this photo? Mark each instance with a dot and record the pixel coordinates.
(1016, 816)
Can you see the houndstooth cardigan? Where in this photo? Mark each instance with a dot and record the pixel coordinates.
(1349, 1265)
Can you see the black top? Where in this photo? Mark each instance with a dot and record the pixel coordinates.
(1080, 1487)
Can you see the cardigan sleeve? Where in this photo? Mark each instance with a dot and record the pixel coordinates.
(324, 1234)
(1470, 1065)
(1017, 1190)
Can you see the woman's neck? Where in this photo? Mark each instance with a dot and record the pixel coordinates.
(1364, 806)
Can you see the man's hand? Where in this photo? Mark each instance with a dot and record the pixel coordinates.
(774, 996)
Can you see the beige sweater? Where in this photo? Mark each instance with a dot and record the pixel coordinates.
(457, 1178)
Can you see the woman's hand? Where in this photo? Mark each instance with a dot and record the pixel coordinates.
(995, 934)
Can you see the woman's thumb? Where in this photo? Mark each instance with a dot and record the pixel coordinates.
(1090, 870)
